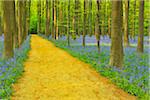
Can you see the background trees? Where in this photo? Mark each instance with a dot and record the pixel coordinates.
(79, 18)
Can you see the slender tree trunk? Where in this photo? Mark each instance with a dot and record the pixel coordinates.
(84, 25)
(39, 17)
(68, 28)
(47, 30)
(109, 21)
(76, 16)
(42, 16)
(126, 24)
(55, 24)
(90, 17)
(24, 20)
(60, 19)
(134, 19)
(116, 55)
(97, 26)
(53, 27)
(20, 22)
(0, 23)
(57, 14)
(8, 28)
(29, 11)
(140, 45)
(15, 29)
(28, 3)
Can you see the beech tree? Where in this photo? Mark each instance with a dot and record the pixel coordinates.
(126, 24)
(140, 45)
(8, 28)
(47, 30)
(39, 17)
(116, 54)
(97, 26)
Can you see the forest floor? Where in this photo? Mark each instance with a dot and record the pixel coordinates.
(53, 74)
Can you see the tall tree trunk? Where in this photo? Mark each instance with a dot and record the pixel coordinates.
(47, 30)
(24, 20)
(57, 14)
(134, 19)
(28, 3)
(60, 19)
(109, 20)
(126, 24)
(76, 17)
(53, 27)
(116, 55)
(8, 28)
(55, 24)
(68, 26)
(84, 25)
(0, 22)
(15, 29)
(140, 45)
(90, 17)
(97, 26)
(39, 17)
(20, 22)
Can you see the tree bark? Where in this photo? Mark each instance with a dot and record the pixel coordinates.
(47, 30)
(39, 17)
(116, 55)
(97, 26)
(0, 23)
(68, 26)
(126, 24)
(15, 29)
(8, 29)
(140, 45)
(84, 25)
(20, 22)
(53, 27)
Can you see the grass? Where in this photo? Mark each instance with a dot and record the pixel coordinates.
(12, 69)
(133, 77)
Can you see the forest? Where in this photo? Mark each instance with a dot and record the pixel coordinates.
(74, 49)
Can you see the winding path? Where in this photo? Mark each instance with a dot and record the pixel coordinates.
(52, 74)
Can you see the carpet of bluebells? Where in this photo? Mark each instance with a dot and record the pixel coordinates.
(11, 69)
(133, 77)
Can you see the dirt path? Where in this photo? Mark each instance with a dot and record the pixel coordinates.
(52, 74)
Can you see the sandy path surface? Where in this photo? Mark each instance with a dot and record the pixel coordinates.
(52, 74)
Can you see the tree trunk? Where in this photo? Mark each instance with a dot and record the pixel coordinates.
(39, 17)
(0, 24)
(15, 29)
(97, 26)
(126, 24)
(57, 9)
(20, 22)
(8, 28)
(53, 27)
(47, 30)
(28, 3)
(76, 17)
(68, 27)
(84, 25)
(134, 19)
(140, 45)
(55, 24)
(90, 17)
(24, 12)
(116, 55)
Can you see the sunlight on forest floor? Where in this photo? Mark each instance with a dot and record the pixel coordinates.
(52, 74)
